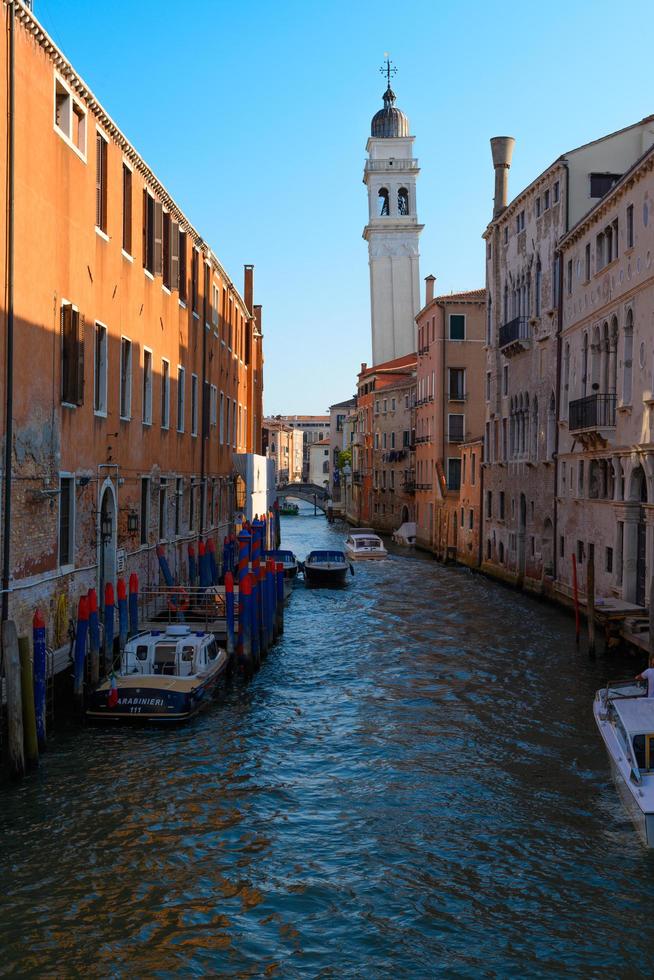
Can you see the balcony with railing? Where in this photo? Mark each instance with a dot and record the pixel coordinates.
(592, 413)
(357, 476)
(515, 336)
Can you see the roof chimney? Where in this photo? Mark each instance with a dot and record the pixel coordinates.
(248, 287)
(429, 288)
(502, 150)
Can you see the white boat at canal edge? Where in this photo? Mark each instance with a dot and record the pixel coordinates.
(165, 676)
(364, 543)
(625, 718)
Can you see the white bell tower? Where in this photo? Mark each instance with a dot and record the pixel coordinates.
(392, 231)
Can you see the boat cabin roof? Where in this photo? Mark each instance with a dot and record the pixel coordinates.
(325, 556)
(178, 651)
(280, 555)
(636, 714)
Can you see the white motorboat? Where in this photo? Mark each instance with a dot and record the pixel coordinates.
(164, 676)
(362, 542)
(625, 718)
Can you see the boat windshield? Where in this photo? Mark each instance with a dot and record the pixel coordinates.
(284, 556)
(326, 556)
(644, 752)
(368, 542)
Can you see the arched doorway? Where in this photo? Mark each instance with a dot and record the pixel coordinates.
(405, 515)
(107, 530)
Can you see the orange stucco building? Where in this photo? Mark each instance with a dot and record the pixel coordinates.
(137, 363)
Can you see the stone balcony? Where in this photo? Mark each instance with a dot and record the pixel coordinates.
(515, 336)
(592, 414)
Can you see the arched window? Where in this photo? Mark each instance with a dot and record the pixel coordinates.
(627, 358)
(595, 359)
(539, 278)
(566, 377)
(384, 209)
(613, 357)
(584, 366)
(525, 427)
(512, 430)
(604, 365)
(403, 201)
(534, 430)
(489, 321)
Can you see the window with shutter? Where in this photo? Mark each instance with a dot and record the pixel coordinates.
(72, 355)
(194, 281)
(182, 266)
(127, 209)
(101, 183)
(174, 255)
(158, 239)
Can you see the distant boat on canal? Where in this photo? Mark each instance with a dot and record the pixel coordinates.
(362, 542)
(165, 676)
(326, 568)
(289, 510)
(625, 718)
(287, 559)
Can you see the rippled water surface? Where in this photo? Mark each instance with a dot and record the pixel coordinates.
(412, 786)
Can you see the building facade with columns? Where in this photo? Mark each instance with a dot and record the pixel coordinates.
(523, 274)
(392, 233)
(605, 494)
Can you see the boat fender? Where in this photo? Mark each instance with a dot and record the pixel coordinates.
(178, 600)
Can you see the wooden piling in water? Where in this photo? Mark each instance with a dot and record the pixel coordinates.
(27, 690)
(590, 604)
(14, 699)
(40, 666)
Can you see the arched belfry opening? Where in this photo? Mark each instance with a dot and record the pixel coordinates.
(384, 207)
(403, 201)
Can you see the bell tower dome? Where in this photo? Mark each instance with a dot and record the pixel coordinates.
(392, 232)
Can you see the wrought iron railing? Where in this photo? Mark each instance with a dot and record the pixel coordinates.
(515, 329)
(593, 412)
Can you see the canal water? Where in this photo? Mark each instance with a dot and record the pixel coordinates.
(412, 786)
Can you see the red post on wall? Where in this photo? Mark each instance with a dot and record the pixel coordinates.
(575, 592)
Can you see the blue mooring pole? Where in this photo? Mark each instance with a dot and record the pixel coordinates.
(280, 597)
(229, 612)
(245, 622)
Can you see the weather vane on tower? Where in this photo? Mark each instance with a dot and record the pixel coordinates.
(388, 68)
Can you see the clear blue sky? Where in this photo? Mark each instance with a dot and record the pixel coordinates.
(255, 117)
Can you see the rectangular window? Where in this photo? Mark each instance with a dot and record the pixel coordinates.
(569, 276)
(166, 250)
(609, 560)
(453, 473)
(506, 234)
(182, 266)
(471, 520)
(457, 377)
(505, 379)
(580, 485)
(457, 326)
(213, 411)
(392, 440)
(72, 355)
(70, 118)
(546, 199)
(392, 476)
(147, 387)
(181, 394)
(101, 182)
(100, 379)
(221, 427)
(488, 386)
(163, 509)
(556, 192)
(234, 423)
(125, 378)
(215, 303)
(383, 440)
(630, 226)
(191, 506)
(561, 546)
(227, 430)
(501, 505)
(194, 280)
(538, 207)
(580, 552)
(148, 232)
(165, 393)
(145, 508)
(473, 467)
(489, 504)
(66, 520)
(127, 209)
(194, 404)
(601, 184)
(587, 262)
(456, 428)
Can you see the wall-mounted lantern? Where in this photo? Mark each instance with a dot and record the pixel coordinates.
(132, 522)
(106, 527)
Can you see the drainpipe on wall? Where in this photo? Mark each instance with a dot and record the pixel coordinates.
(203, 403)
(557, 396)
(9, 354)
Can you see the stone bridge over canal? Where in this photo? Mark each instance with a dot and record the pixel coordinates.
(311, 492)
